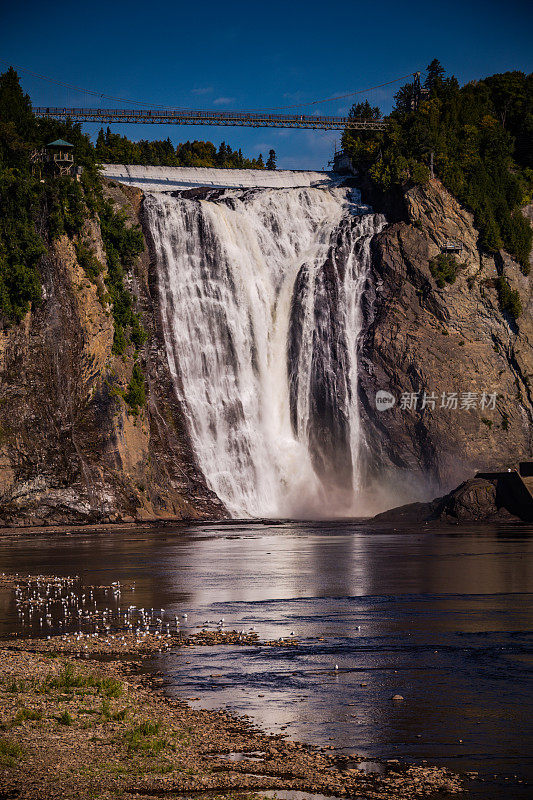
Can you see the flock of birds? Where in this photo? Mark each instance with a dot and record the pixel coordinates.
(62, 606)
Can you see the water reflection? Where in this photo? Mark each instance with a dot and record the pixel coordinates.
(443, 618)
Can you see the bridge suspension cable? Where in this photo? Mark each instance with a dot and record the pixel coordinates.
(181, 108)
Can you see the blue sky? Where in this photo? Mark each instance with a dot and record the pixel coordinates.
(246, 55)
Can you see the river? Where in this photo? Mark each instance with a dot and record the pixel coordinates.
(441, 616)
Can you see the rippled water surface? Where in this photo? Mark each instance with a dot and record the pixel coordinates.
(442, 617)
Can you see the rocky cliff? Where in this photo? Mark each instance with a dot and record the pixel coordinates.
(420, 338)
(71, 449)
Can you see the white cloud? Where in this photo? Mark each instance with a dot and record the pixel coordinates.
(203, 90)
(223, 101)
(295, 96)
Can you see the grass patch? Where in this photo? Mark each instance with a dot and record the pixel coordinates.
(145, 738)
(65, 718)
(24, 714)
(109, 687)
(69, 680)
(14, 686)
(114, 716)
(10, 752)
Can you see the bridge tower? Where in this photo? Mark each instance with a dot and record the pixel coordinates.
(419, 92)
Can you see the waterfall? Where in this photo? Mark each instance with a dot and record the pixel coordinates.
(260, 295)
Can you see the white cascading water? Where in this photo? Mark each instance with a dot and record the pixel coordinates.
(260, 296)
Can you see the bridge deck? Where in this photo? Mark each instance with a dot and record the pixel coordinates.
(226, 118)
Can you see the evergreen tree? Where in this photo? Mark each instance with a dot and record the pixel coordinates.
(480, 136)
(434, 75)
(271, 161)
(15, 106)
(364, 112)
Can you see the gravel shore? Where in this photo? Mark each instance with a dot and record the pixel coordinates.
(81, 718)
(79, 729)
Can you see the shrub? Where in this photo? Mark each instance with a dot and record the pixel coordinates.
(509, 298)
(88, 261)
(444, 269)
(123, 244)
(135, 395)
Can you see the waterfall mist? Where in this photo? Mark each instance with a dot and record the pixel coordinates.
(260, 296)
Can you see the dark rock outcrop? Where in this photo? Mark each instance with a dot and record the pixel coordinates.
(476, 500)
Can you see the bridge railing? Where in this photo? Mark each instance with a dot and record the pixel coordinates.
(177, 116)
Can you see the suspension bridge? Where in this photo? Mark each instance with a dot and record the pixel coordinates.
(166, 115)
(245, 119)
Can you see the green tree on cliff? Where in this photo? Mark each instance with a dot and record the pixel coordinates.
(434, 75)
(480, 135)
(364, 112)
(271, 161)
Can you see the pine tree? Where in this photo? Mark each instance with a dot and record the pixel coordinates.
(15, 106)
(271, 161)
(435, 74)
(364, 112)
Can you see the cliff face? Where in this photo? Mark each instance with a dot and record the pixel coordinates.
(421, 338)
(71, 450)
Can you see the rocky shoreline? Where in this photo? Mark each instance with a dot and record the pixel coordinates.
(82, 718)
(81, 730)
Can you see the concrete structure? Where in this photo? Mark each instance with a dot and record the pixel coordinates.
(167, 179)
(342, 163)
(514, 489)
